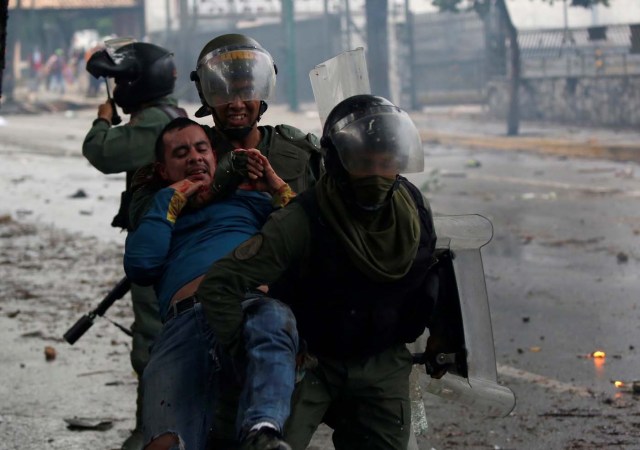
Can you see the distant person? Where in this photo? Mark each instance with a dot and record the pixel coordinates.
(145, 77)
(93, 86)
(54, 68)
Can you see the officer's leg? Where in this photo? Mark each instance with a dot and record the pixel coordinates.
(146, 327)
(376, 412)
(312, 397)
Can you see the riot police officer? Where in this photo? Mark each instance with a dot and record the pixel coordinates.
(363, 237)
(235, 76)
(145, 77)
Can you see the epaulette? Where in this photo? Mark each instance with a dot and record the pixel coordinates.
(294, 134)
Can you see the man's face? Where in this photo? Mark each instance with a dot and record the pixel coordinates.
(187, 155)
(238, 113)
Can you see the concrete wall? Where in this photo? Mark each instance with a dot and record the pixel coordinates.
(612, 101)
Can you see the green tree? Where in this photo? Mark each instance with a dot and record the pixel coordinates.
(482, 7)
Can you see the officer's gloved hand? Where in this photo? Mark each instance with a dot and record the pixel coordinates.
(436, 360)
(230, 172)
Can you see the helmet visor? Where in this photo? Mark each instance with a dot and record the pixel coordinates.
(384, 142)
(229, 74)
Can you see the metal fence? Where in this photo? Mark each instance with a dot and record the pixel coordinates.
(449, 59)
(581, 52)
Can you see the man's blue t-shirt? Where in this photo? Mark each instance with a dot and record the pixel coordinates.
(170, 255)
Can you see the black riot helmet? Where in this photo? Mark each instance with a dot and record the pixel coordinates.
(367, 135)
(233, 66)
(142, 72)
(366, 140)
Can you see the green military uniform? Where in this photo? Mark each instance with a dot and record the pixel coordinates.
(125, 149)
(294, 155)
(365, 398)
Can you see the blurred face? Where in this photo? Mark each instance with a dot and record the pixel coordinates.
(187, 155)
(381, 164)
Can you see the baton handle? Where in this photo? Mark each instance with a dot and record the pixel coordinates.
(79, 328)
(85, 322)
(115, 117)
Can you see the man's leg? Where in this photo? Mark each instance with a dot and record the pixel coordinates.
(146, 327)
(180, 382)
(271, 343)
(374, 411)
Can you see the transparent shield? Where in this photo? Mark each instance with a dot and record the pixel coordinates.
(340, 77)
(462, 280)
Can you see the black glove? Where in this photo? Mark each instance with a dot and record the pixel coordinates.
(436, 361)
(230, 172)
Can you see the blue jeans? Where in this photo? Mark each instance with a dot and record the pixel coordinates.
(271, 342)
(180, 379)
(187, 370)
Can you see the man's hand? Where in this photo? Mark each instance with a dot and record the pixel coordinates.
(105, 111)
(186, 191)
(261, 176)
(188, 187)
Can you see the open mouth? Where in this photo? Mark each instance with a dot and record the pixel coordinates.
(198, 174)
(236, 119)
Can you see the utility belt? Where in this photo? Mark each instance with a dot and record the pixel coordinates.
(177, 308)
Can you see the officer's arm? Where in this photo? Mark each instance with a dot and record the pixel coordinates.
(261, 260)
(124, 148)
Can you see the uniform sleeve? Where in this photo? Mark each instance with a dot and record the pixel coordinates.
(147, 247)
(141, 202)
(124, 148)
(263, 259)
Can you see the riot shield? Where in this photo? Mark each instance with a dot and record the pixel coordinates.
(338, 78)
(472, 375)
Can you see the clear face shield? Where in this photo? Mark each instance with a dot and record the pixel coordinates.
(113, 45)
(385, 142)
(236, 73)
